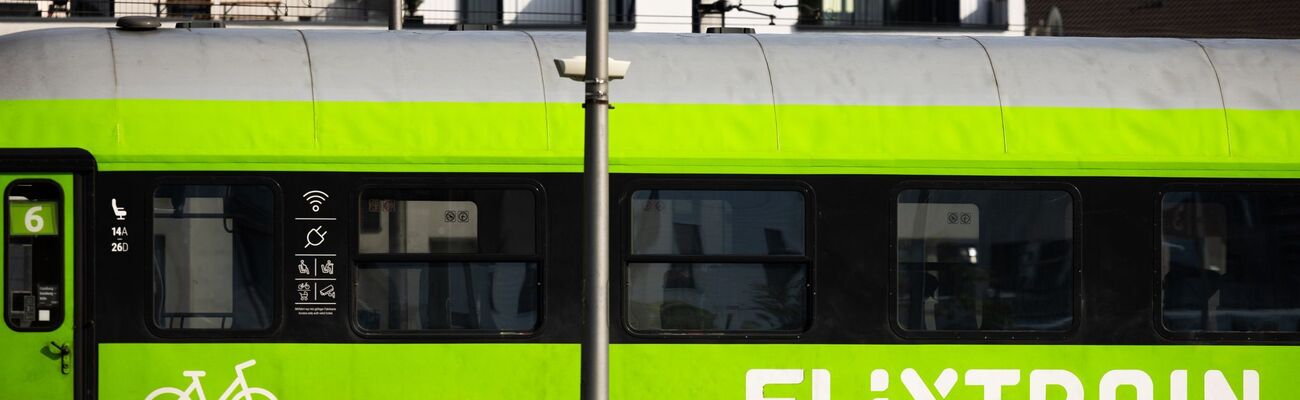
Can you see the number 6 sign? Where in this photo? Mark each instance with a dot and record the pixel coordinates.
(33, 218)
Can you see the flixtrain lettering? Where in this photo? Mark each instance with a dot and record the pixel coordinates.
(994, 381)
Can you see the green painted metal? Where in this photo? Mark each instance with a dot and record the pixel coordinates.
(137, 134)
(31, 368)
(718, 371)
(663, 371)
(346, 371)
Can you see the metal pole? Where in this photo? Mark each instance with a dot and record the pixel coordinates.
(695, 16)
(595, 341)
(395, 16)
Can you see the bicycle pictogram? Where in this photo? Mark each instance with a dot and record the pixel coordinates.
(238, 389)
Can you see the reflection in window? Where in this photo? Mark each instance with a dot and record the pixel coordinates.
(717, 222)
(469, 296)
(483, 221)
(212, 262)
(685, 284)
(18, 280)
(719, 297)
(424, 282)
(1230, 261)
(985, 260)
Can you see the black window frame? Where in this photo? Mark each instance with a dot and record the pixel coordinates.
(63, 250)
(277, 250)
(978, 335)
(626, 256)
(538, 256)
(1157, 301)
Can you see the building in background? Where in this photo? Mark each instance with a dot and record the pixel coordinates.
(1165, 18)
(908, 15)
(995, 17)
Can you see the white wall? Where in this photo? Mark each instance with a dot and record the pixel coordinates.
(439, 12)
(541, 11)
(663, 16)
(1003, 12)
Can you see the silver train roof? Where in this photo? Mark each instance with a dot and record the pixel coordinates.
(504, 66)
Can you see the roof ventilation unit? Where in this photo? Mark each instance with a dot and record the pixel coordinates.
(138, 23)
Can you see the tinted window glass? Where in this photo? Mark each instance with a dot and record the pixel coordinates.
(683, 280)
(213, 257)
(425, 283)
(717, 297)
(717, 222)
(1230, 261)
(985, 260)
(451, 221)
(429, 296)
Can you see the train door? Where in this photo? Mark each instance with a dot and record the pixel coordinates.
(37, 258)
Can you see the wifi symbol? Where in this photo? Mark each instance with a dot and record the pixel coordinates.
(315, 199)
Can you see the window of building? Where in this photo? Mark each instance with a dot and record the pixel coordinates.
(448, 260)
(923, 12)
(213, 257)
(717, 261)
(985, 260)
(1230, 261)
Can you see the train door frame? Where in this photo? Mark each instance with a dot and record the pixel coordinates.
(80, 165)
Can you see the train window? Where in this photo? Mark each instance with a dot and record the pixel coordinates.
(34, 260)
(492, 296)
(717, 261)
(700, 222)
(1230, 261)
(985, 260)
(449, 221)
(213, 257)
(447, 260)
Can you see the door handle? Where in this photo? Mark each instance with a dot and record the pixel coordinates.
(64, 352)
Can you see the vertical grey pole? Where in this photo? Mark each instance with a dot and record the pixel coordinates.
(595, 341)
(395, 16)
(695, 16)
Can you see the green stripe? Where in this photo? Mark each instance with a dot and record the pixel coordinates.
(663, 371)
(688, 371)
(1272, 135)
(432, 132)
(1105, 134)
(347, 371)
(682, 138)
(831, 133)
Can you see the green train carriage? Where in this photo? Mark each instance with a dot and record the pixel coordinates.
(329, 214)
